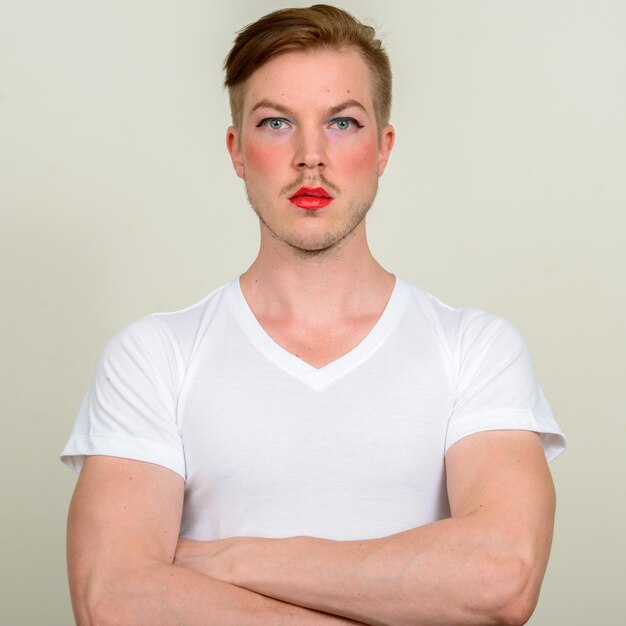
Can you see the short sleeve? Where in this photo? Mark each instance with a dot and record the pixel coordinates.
(496, 386)
(129, 409)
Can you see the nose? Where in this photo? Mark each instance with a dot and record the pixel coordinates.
(310, 150)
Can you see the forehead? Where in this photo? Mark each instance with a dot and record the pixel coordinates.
(320, 77)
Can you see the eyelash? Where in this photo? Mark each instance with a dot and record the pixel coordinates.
(352, 121)
(267, 120)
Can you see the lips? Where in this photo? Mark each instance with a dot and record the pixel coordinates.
(311, 198)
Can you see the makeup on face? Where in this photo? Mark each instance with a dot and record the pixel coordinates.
(311, 198)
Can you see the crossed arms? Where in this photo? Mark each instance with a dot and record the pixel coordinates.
(482, 566)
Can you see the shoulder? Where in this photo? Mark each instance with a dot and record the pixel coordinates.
(465, 330)
(168, 334)
(494, 379)
(155, 348)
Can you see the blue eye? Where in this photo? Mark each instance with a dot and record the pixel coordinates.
(344, 124)
(275, 123)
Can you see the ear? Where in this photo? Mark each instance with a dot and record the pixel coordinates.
(387, 139)
(233, 145)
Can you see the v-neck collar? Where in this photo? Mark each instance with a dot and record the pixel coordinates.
(317, 378)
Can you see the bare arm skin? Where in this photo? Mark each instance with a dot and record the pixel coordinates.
(482, 566)
(123, 527)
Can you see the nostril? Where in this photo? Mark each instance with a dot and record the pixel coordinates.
(310, 164)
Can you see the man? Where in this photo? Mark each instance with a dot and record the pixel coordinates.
(331, 444)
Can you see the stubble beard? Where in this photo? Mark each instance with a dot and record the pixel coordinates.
(326, 243)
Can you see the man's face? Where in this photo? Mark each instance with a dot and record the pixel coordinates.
(308, 147)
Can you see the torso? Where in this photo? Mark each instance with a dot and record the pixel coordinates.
(275, 446)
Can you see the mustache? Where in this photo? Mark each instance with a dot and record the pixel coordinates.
(318, 180)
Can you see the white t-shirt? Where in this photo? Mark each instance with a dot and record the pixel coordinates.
(270, 446)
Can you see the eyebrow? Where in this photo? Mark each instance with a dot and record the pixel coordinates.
(269, 104)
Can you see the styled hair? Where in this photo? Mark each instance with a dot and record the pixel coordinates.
(302, 29)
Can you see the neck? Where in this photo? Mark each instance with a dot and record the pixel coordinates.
(321, 288)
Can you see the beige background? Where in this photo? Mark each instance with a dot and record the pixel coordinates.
(506, 191)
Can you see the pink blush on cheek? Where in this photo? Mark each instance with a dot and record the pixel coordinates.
(262, 157)
(358, 161)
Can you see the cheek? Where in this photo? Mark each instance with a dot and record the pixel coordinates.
(361, 161)
(262, 158)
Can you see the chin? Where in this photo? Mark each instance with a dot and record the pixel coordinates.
(320, 243)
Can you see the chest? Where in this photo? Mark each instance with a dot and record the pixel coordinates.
(368, 445)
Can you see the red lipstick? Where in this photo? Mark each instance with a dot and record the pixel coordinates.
(311, 198)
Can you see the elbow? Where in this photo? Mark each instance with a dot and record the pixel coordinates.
(493, 591)
(517, 613)
(98, 605)
(101, 614)
(513, 597)
(90, 611)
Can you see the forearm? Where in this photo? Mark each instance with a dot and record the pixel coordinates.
(456, 572)
(448, 573)
(159, 594)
